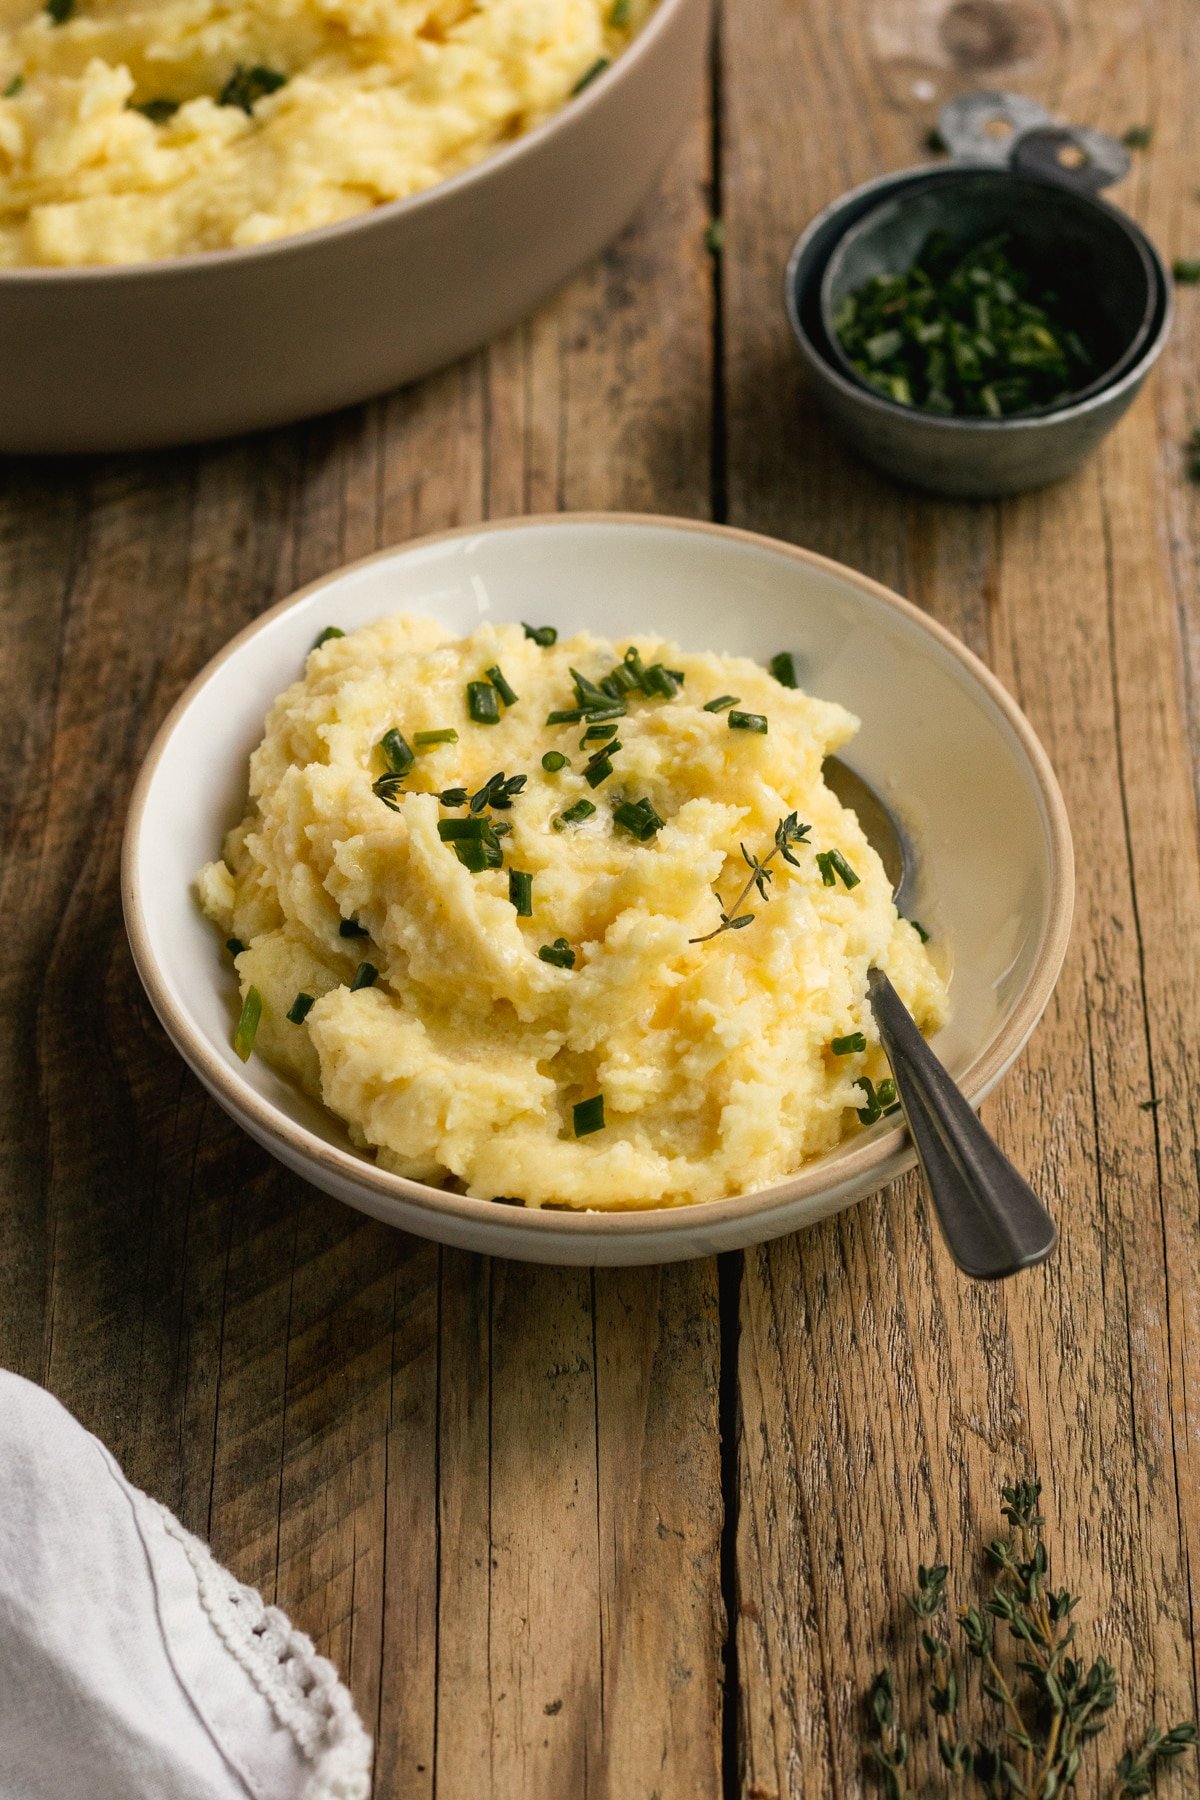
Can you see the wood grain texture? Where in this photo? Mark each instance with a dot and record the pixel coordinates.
(514, 1504)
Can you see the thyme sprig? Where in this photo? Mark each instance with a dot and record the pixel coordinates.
(789, 831)
(1049, 1702)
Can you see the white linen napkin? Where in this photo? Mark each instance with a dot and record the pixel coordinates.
(132, 1666)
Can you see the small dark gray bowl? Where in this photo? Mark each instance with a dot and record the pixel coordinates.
(980, 458)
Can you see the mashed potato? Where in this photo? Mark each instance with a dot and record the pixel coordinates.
(138, 129)
(465, 1060)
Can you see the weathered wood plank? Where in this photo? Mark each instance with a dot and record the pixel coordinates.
(882, 1398)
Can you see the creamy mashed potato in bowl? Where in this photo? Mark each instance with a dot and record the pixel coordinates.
(132, 130)
(478, 894)
(640, 1094)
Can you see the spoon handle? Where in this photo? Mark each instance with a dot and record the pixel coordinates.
(993, 1222)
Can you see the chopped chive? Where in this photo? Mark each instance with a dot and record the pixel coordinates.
(566, 715)
(559, 953)
(783, 668)
(1138, 137)
(720, 703)
(472, 854)
(330, 631)
(365, 976)
(597, 734)
(582, 809)
(446, 735)
(483, 703)
(453, 796)
(714, 237)
(300, 1008)
(588, 1116)
(520, 892)
(397, 753)
(496, 676)
(159, 112)
(60, 10)
(677, 675)
(598, 771)
(14, 87)
(545, 635)
(872, 1110)
(245, 86)
(658, 680)
(351, 928)
(452, 831)
(832, 864)
(553, 761)
(618, 18)
(638, 817)
(744, 721)
(885, 1093)
(234, 946)
(920, 930)
(1186, 269)
(589, 75)
(587, 693)
(846, 1046)
(247, 1025)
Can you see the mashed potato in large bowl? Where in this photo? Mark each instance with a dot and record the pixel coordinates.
(503, 945)
(137, 129)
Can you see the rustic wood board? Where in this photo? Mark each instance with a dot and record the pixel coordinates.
(643, 1533)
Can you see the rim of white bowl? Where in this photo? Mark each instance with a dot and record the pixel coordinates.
(854, 1166)
(295, 242)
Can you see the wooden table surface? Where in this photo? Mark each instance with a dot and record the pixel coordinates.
(645, 1533)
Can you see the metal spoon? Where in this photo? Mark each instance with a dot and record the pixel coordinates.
(993, 1222)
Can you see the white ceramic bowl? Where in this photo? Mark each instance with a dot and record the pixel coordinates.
(130, 358)
(940, 739)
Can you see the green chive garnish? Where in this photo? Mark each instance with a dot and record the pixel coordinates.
(553, 761)
(396, 752)
(247, 1025)
(472, 854)
(566, 715)
(157, 111)
(452, 831)
(588, 1116)
(720, 703)
(920, 930)
(638, 817)
(1138, 137)
(783, 668)
(1186, 269)
(496, 676)
(545, 635)
(447, 735)
(520, 892)
(872, 1110)
(559, 953)
(598, 733)
(365, 976)
(597, 771)
(832, 864)
(582, 809)
(618, 18)
(351, 928)
(234, 946)
(885, 1093)
(846, 1046)
(245, 86)
(14, 87)
(589, 75)
(300, 1008)
(743, 721)
(60, 11)
(330, 631)
(483, 703)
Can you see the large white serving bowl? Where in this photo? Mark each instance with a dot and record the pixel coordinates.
(134, 357)
(940, 739)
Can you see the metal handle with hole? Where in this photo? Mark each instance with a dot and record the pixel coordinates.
(1010, 131)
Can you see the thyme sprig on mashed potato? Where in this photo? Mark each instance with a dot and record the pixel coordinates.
(539, 1006)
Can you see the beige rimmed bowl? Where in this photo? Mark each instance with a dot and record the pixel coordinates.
(940, 739)
(199, 347)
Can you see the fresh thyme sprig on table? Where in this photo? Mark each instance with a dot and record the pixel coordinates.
(1050, 1705)
(789, 831)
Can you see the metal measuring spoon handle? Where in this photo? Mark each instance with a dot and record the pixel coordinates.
(993, 1222)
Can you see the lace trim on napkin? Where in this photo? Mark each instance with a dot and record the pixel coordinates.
(302, 1688)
